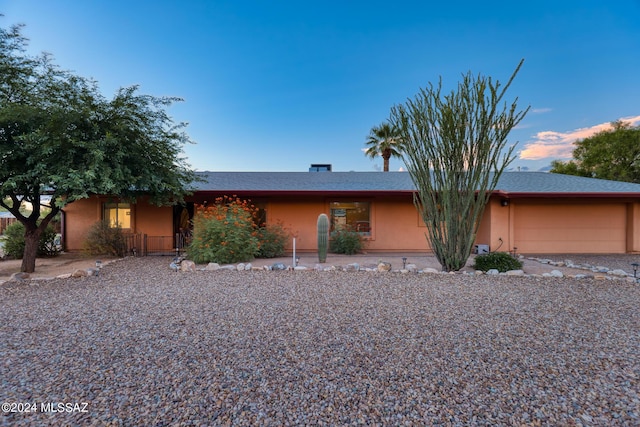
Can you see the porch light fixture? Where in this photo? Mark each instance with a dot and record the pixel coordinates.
(635, 266)
(504, 202)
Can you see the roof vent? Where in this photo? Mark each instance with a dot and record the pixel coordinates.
(316, 167)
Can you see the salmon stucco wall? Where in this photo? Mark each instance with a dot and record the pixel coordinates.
(79, 216)
(633, 227)
(395, 224)
(299, 217)
(570, 226)
(148, 219)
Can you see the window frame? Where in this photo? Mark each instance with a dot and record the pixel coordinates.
(369, 235)
(117, 206)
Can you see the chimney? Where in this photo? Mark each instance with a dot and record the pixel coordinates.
(317, 167)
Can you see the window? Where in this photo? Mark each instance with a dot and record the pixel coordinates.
(354, 216)
(117, 214)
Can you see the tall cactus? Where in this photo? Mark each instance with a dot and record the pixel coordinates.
(323, 237)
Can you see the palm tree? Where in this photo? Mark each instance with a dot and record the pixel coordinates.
(384, 140)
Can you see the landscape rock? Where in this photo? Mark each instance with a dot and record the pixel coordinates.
(188, 265)
(493, 272)
(20, 276)
(352, 267)
(384, 266)
(515, 273)
(240, 267)
(556, 273)
(79, 273)
(430, 270)
(212, 266)
(278, 266)
(617, 272)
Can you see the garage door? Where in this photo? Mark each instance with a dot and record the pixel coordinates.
(570, 228)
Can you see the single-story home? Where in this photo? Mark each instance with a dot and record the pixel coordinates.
(535, 212)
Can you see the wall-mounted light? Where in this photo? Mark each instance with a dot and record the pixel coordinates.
(504, 202)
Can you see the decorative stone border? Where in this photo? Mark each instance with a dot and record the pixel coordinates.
(385, 267)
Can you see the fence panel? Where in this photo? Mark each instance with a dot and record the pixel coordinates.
(143, 245)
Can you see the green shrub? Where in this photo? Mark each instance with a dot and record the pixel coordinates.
(272, 240)
(500, 261)
(224, 232)
(345, 242)
(103, 239)
(14, 242)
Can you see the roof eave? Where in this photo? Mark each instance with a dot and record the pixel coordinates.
(573, 195)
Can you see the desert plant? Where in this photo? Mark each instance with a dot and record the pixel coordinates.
(346, 242)
(323, 236)
(272, 238)
(103, 239)
(224, 232)
(455, 148)
(15, 242)
(500, 261)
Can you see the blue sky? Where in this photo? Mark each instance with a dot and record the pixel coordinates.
(278, 85)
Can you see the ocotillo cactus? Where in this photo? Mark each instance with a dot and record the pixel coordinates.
(323, 237)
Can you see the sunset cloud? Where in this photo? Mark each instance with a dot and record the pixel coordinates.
(559, 145)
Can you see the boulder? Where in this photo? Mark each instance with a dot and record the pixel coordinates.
(240, 267)
(556, 273)
(352, 267)
(20, 276)
(617, 272)
(79, 273)
(515, 273)
(187, 265)
(493, 272)
(384, 266)
(212, 266)
(278, 266)
(430, 270)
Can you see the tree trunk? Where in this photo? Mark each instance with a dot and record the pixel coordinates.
(31, 241)
(386, 155)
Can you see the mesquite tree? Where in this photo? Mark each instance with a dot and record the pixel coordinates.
(60, 137)
(455, 149)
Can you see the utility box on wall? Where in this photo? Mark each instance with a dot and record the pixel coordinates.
(482, 249)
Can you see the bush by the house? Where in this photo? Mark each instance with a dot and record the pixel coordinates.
(103, 239)
(500, 261)
(273, 239)
(14, 241)
(345, 242)
(224, 232)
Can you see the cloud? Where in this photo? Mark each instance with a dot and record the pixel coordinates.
(559, 145)
(540, 110)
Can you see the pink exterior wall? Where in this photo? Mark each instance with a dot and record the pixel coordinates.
(569, 226)
(395, 224)
(148, 219)
(541, 225)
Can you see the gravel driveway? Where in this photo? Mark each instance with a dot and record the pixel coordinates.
(141, 345)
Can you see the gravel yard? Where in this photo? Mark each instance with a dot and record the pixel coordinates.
(141, 345)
